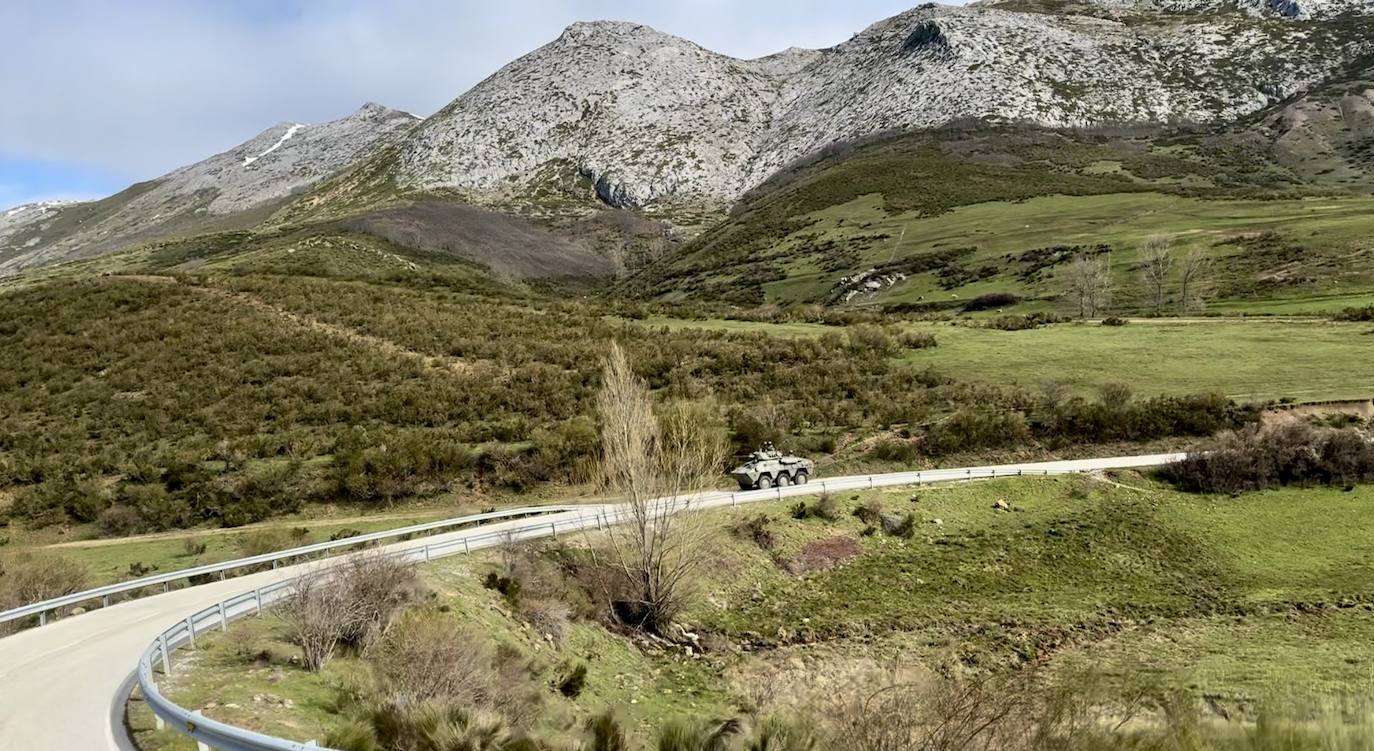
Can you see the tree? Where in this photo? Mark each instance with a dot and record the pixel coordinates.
(1089, 283)
(1194, 280)
(1156, 267)
(655, 463)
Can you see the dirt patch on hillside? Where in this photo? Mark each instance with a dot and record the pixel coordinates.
(510, 246)
(823, 555)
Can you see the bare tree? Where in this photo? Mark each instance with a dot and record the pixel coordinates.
(1089, 283)
(655, 463)
(1194, 280)
(1156, 267)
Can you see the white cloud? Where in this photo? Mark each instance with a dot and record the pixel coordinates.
(139, 88)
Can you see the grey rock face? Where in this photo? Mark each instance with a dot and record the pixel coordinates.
(278, 162)
(650, 118)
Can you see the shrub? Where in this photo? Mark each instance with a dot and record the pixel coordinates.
(349, 604)
(263, 541)
(549, 618)
(895, 450)
(507, 586)
(191, 547)
(974, 429)
(899, 526)
(343, 534)
(1293, 454)
(1114, 321)
(916, 340)
(1362, 315)
(990, 301)
(1024, 322)
(757, 529)
(869, 512)
(824, 507)
(29, 577)
(428, 655)
(118, 521)
(572, 682)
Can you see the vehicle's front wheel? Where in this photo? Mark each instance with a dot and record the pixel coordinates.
(765, 482)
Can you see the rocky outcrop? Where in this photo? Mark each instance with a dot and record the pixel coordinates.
(647, 118)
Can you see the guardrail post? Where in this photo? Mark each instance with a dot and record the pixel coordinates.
(553, 528)
(734, 499)
(466, 549)
(191, 629)
(166, 658)
(43, 618)
(105, 601)
(223, 617)
(257, 600)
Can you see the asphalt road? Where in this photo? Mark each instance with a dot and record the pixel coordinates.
(60, 685)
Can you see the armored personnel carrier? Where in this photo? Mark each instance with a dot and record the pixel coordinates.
(769, 467)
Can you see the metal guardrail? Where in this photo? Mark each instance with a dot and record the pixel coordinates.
(105, 593)
(218, 735)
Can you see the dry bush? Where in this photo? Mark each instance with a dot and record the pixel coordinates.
(263, 541)
(350, 604)
(378, 586)
(316, 616)
(549, 618)
(427, 655)
(933, 716)
(33, 576)
(756, 529)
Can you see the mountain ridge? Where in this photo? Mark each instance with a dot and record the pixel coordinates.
(221, 191)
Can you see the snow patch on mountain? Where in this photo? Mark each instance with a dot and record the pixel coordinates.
(291, 131)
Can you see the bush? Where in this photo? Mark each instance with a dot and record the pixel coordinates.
(869, 513)
(1114, 321)
(895, 450)
(119, 521)
(758, 530)
(191, 547)
(347, 605)
(572, 683)
(1024, 322)
(1359, 315)
(29, 577)
(916, 340)
(1293, 454)
(428, 655)
(991, 301)
(975, 429)
(263, 541)
(507, 586)
(824, 507)
(549, 618)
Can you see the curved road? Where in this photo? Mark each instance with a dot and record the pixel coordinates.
(60, 685)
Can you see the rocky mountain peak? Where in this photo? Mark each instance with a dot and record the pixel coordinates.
(647, 118)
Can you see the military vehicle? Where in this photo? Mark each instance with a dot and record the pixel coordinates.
(769, 467)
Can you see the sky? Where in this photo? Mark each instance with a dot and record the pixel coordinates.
(97, 94)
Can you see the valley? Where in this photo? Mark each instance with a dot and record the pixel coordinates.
(995, 233)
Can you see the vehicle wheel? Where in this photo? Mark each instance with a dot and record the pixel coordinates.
(784, 480)
(800, 479)
(765, 482)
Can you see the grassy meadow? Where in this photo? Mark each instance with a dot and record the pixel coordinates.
(1244, 600)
